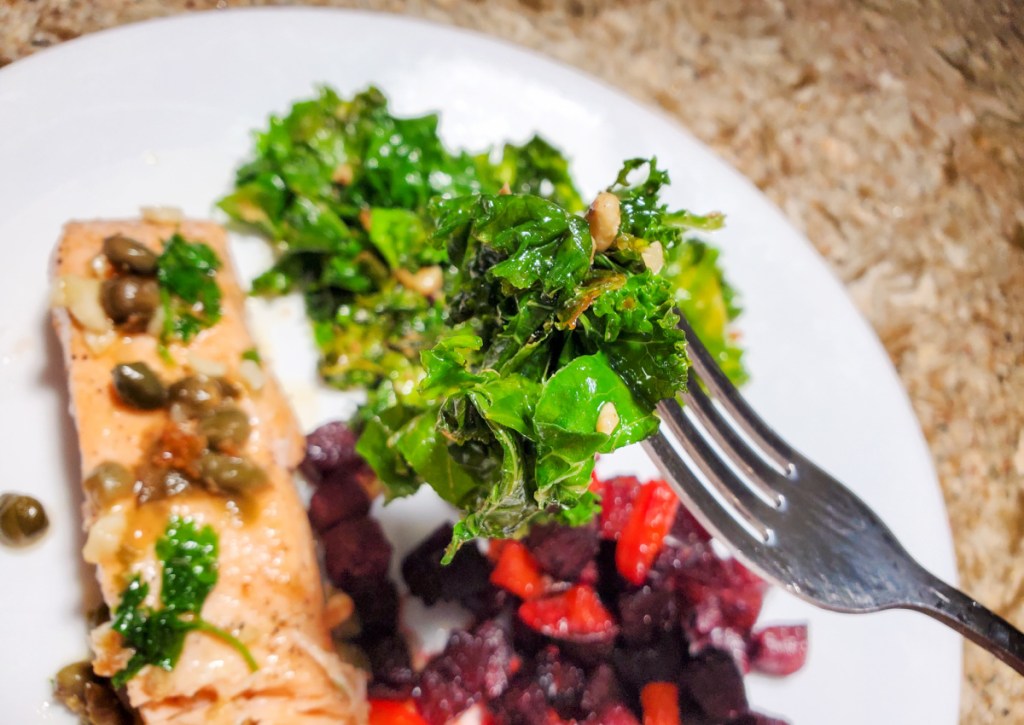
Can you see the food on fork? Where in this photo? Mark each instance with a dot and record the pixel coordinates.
(203, 552)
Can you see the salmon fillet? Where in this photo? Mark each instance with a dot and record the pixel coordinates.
(269, 592)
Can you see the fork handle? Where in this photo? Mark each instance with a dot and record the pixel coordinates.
(975, 622)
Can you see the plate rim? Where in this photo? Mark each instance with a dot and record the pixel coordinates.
(85, 42)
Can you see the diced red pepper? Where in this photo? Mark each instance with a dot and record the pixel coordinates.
(494, 548)
(780, 650)
(517, 571)
(574, 614)
(660, 703)
(394, 712)
(617, 496)
(643, 536)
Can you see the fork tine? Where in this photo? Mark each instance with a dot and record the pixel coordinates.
(773, 447)
(753, 466)
(737, 493)
(716, 518)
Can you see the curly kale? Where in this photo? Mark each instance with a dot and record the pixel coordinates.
(501, 351)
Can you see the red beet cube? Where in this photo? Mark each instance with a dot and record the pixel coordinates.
(780, 650)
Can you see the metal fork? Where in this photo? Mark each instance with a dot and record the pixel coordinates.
(795, 525)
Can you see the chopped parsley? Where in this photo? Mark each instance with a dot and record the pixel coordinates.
(254, 355)
(189, 559)
(189, 293)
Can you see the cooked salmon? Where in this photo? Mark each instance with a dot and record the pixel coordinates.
(269, 593)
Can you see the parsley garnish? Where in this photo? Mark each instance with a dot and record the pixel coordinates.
(252, 354)
(188, 288)
(189, 559)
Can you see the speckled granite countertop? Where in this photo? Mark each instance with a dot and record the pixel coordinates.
(890, 131)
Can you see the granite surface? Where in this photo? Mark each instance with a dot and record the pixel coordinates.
(890, 131)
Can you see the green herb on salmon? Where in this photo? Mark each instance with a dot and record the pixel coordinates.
(189, 295)
(188, 556)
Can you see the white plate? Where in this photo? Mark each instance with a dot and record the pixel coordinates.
(161, 113)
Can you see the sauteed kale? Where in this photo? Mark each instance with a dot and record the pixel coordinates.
(504, 337)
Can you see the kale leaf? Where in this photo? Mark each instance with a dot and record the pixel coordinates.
(343, 187)
(189, 294)
(501, 351)
(558, 352)
(188, 556)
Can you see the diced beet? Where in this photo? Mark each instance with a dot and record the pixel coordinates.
(728, 640)
(756, 718)
(527, 641)
(779, 650)
(609, 582)
(466, 577)
(523, 703)
(561, 681)
(681, 561)
(715, 683)
(489, 603)
(647, 614)
(328, 448)
(473, 667)
(441, 695)
(602, 689)
(356, 551)
(483, 659)
(563, 551)
(377, 603)
(722, 594)
(687, 529)
(389, 659)
(590, 573)
(660, 661)
(616, 504)
(616, 714)
(337, 499)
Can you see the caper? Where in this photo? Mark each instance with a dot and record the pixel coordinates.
(108, 482)
(138, 386)
(230, 474)
(103, 706)
(227, 426)
(131, 256)
(229, 389)
(130, 301)
(22, 520)
(197, 394)
(69, 686)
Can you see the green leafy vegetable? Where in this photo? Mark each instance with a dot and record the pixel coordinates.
(189, 293)
(343, 188)
(157, 636)
(501, 351)
(691, 264)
